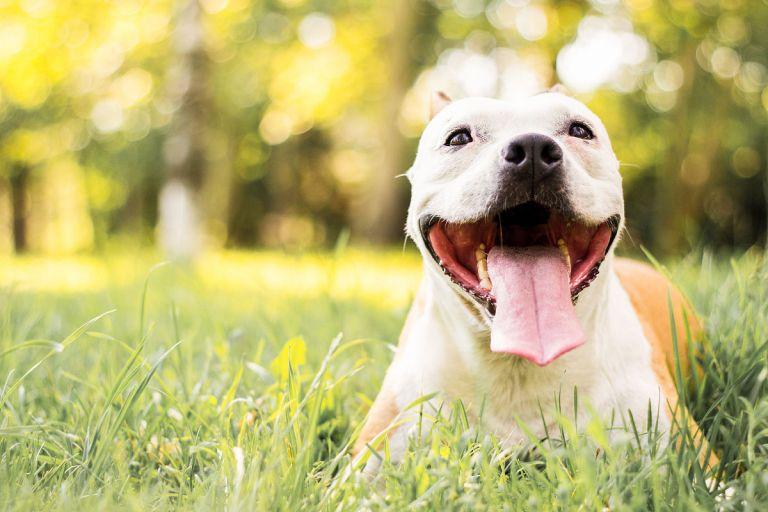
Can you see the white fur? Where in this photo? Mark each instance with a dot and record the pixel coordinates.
(447, 350)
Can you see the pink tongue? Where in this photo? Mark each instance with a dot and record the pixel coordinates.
(535, 318)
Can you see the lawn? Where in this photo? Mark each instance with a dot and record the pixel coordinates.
(237, 382)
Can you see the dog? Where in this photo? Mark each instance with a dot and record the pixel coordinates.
(516, 209)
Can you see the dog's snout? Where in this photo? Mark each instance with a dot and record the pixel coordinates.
(533, 153)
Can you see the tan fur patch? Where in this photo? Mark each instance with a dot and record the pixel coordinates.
(650, 293)
(648, 290)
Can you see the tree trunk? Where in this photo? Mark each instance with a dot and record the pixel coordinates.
(18, 182)
(180, 221)
(765, 194)
(670, 215)
(380, 216)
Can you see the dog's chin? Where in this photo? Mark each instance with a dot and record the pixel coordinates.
(462, 249)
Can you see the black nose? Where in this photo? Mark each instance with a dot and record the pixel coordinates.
(533, 154)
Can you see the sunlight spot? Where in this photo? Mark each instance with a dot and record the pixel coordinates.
(478, 74)
(659, 99)
(725, 62)
(604, 49)
(520, 77)
(351, 167)
(133, 86)
(74, 33)
(746, 162)
(107, 116)
(602, 4)
(214, 6)
(37, 8)
(531, 22)
(107, 59)
(316, 30)
(503, 13)
(668, 75)
(178, 229)
(275, 127)
(469, 8)
(732, 29)
(462, 72)
(137, 125)
(13, 35)
(751, 77)
(154, 26)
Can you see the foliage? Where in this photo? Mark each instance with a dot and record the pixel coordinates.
(225, 385)
(311, 108)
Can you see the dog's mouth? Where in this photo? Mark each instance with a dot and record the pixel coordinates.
(462, 249)
(527, 265)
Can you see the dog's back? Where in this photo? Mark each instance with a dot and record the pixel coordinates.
(652, 295)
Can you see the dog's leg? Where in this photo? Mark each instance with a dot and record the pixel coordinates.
(385, 410)
(382, 415)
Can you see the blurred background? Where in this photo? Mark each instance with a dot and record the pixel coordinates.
(284, 123)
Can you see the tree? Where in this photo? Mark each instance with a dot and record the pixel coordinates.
(180, 228)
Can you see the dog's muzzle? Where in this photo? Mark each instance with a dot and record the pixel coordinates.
(531, 168)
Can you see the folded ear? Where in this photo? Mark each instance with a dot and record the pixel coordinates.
(438, 102)
(561, 89)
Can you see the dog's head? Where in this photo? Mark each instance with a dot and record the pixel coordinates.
(517, 205)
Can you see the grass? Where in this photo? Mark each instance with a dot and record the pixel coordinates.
(237, 383)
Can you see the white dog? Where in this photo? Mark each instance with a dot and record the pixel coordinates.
(516, 209)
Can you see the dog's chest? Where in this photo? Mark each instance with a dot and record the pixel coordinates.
(611, 375)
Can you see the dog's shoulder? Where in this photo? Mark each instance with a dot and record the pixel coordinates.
(417, 310)
(651, 294)
(384, 409)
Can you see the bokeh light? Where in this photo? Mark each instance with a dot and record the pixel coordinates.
(289, 121)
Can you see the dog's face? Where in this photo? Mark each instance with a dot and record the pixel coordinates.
(517, 205)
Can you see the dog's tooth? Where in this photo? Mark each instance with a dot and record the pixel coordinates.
(482, 267)
(564, 250)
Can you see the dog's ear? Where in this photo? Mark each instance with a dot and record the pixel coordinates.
(438, 102)
(561, 89)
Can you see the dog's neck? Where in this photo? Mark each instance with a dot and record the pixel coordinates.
(469, 334)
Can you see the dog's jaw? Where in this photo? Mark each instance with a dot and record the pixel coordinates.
(454, 300)
(479, 287)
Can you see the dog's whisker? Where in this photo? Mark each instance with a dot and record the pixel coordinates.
(501, 231)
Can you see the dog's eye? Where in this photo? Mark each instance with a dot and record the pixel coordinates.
(459, 138)
(581, 131)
